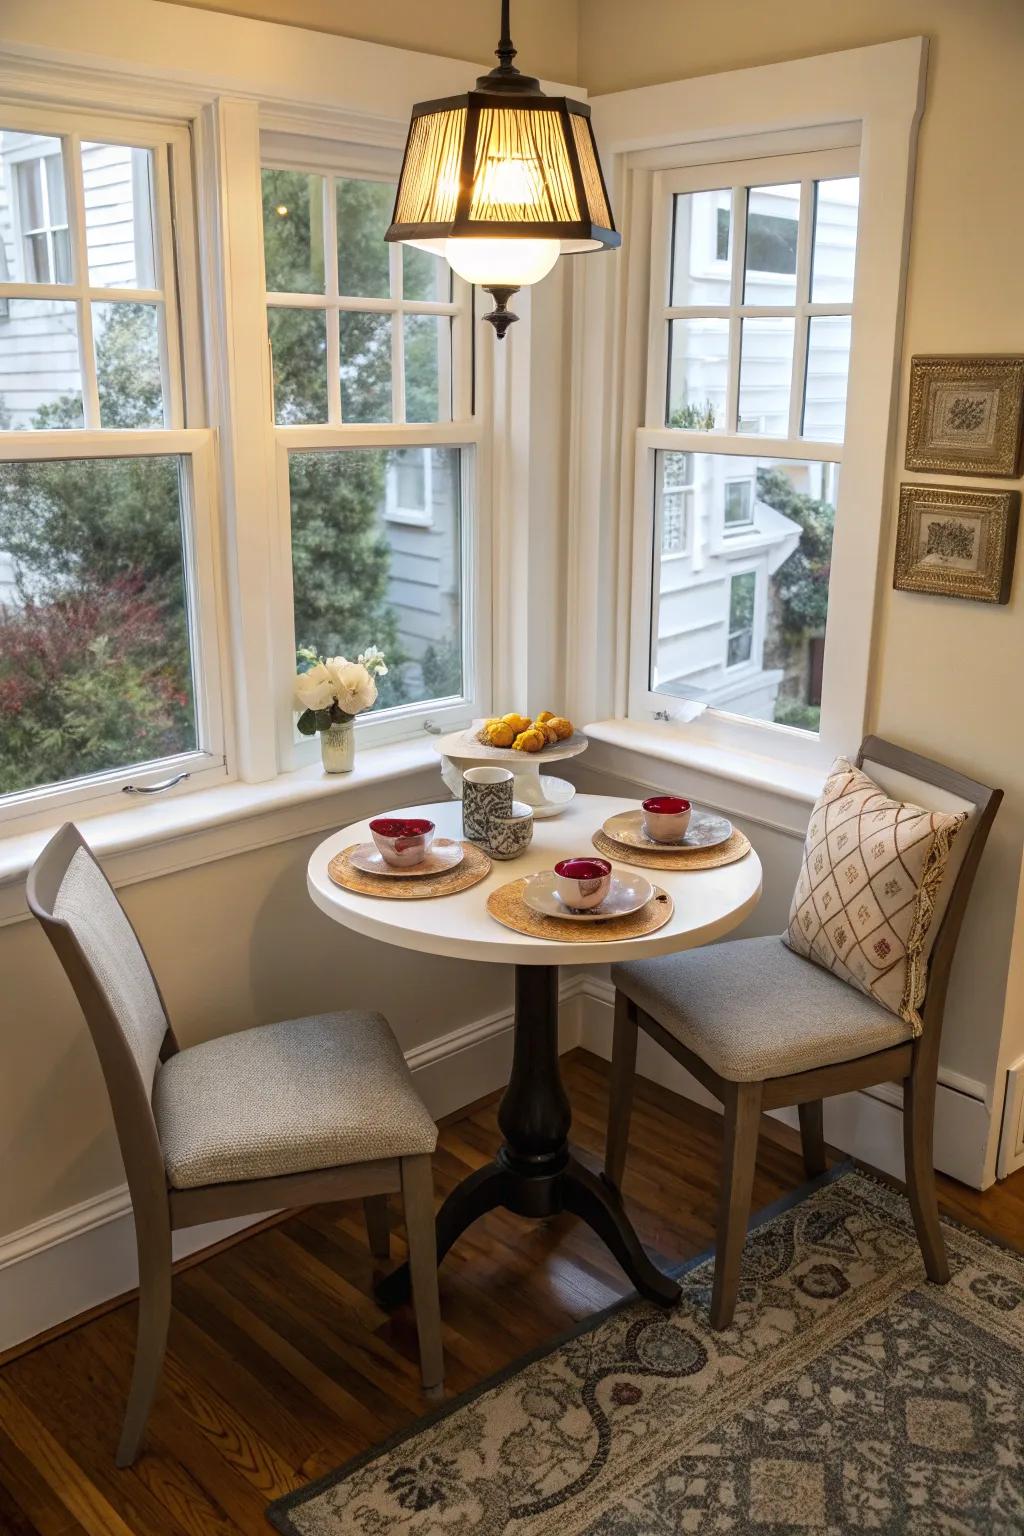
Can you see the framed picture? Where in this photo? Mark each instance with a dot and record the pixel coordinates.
(965, 415)
(958, 543)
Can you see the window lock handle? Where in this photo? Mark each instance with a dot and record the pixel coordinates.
(155, 789)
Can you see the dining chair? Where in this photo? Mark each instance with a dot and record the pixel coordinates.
(267, 1119)
(764, 1028)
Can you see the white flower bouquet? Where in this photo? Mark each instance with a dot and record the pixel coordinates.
(330, 690)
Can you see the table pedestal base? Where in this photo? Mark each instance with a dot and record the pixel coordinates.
(535, 1173)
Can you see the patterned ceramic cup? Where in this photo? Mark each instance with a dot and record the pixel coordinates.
(583, 883)
(509, 836)
(486, 793)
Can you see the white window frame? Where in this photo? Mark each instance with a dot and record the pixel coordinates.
(32, 155)
(396, 511)
(867, 98)
(185, 436)
(746, 522)
(735, 669)
(466, 431)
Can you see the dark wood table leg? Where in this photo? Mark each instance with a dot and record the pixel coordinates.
(535, 1173)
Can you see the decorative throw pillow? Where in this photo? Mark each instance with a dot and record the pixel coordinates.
(863, 904)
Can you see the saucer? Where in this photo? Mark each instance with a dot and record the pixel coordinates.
(628, 893)
(442, 855)
(706, 830)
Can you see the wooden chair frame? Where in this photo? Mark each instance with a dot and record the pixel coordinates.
(914, 1064)
(160, 1209)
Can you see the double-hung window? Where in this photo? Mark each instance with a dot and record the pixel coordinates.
(377, 441)
(108, 644)
(739, 459)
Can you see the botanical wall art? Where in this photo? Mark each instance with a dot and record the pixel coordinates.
(965, 415)
(958, 543)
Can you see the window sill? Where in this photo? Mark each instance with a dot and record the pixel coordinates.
(144, 841)
(767, 790)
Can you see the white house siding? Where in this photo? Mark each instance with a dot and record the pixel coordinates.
(425, 575)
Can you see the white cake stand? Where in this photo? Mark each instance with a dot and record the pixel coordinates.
(543, 793)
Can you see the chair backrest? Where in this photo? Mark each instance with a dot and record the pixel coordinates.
(908, 776)
(115, 986)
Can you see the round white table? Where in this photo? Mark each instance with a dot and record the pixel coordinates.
(535, 1172)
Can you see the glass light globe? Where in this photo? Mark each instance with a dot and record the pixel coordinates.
(501, 263)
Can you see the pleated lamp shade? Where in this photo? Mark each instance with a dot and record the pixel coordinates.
(502, 181)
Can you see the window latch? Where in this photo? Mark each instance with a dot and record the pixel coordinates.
(155, 789)
(432, 729)
(662, 714)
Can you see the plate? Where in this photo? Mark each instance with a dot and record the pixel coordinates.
(706, 830)
(556, 794)
(463, 744)
(628, 893)
(442, 855)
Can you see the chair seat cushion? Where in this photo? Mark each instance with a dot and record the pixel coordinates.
(752, 1009)
(288, 1098)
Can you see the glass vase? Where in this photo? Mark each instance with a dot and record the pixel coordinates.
(338, 748)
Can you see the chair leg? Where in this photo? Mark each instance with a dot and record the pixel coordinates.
(150, 1346)
(918, 1134)
(812, 1137)
(378, 1226)
(418, 1199)
(620, 1089)
(742, 1122)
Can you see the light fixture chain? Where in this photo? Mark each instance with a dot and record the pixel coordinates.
(505, 50)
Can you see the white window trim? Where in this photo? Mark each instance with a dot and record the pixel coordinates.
(874, 95)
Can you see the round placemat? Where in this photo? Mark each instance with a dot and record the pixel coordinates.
(737, 847)
(507, 906)
(476, 866)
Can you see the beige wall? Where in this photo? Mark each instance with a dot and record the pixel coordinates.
(947, 675)
(544, 31)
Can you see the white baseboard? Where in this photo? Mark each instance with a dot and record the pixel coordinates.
(867, 1125)
(78, 1258)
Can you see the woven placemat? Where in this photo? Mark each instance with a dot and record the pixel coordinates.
(506, 904)
(476, 866)
(736, 847)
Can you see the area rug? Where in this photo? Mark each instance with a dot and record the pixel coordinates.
(849, 1395)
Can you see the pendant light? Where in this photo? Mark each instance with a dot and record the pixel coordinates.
(502, 181)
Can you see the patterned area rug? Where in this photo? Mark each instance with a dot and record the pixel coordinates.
(849, 1395)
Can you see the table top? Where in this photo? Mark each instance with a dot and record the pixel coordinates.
(708, 902)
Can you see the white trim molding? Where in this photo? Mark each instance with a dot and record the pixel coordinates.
(1011, 1144)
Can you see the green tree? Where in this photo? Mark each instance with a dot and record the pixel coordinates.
(801, 582)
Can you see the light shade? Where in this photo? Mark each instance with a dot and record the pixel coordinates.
(503, 163)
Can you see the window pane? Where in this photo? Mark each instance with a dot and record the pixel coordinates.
(293, 231)
(127, 342)
(364, 213)
(428, 367)
(40, 372)
(32, 187)
(828, 364)
(773, 215)
(742, 595)
(425, 276)
(118, 182)
(369, 569)
(698, 373)
(298, 346)
(705, 612)
(701, 247)
(365, 367)
(835, 240)
(95, 665)
(766, 372)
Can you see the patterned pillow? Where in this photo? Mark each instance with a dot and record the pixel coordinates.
(863, 904)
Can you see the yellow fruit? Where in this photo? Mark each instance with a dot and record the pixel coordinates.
(544, 716)
(561, 727)
(518, 723)
(550, 734)
(530, 740)
(499, 734)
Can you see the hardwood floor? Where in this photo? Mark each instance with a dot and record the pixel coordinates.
(281, 1365)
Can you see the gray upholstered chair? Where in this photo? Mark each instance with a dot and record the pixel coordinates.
(762, 1028)
(271, 1118)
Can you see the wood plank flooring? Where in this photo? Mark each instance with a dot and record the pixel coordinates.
(281, 1366)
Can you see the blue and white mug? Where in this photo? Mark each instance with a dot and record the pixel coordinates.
(486, 794)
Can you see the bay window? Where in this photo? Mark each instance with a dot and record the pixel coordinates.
(109, 674)
(371, 366)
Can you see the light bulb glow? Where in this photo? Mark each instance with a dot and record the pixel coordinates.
(497, 262)
(508, 183)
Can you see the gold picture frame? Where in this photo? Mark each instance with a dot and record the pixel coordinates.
(966, 415)
(956, 542)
